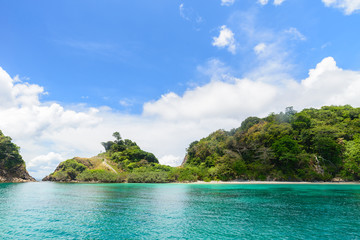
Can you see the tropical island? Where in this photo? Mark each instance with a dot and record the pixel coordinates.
(123, 161)
(311, 145)
(12, 166)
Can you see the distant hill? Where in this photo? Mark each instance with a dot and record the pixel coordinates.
(97, 169)
(12, 166)
(311, 145)
(123, 161)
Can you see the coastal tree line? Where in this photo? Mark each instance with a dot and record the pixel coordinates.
(311, 145)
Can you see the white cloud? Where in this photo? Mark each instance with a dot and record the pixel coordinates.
(295, 34)
(327, 84)
(170, 160)
(214, 69)
(28, 121)
(348, 6)
(49, 133)
(278, 2)
(272, 59)
(260, 48)
(272, 62)
(225, 39)
(14, 93)
(263, 2)
(126, 102)
(214, 99)
(190, 15)
(43, 164)
(182, 12)
(18, 79)
(227, 2)
(325, 45)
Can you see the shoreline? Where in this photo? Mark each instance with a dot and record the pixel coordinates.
(234, 182)
(274, 182)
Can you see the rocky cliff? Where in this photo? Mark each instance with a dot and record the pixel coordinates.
(12, 166)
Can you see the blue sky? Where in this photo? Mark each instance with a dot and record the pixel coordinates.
(164, 72)
(104, 53)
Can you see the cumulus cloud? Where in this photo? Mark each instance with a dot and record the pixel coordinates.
(43, 164)
(13, 93)
(49, 133)
(214, 99)
(227, 2)
(225, 39)
(327, 84)
(32, 123)
(348, 6)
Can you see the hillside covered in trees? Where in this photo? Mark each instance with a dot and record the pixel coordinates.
(123, 161)
(12, 166)
(311, 145)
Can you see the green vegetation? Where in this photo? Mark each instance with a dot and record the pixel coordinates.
(123, 161)
(127, 153)
(12, 166)
(312, 145)
(9, 153)
(100, 175)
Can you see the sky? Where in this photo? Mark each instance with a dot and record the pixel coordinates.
(165, 73)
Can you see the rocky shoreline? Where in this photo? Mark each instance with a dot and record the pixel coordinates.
(19, 175)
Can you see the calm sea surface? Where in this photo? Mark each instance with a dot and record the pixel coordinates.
(178, 211)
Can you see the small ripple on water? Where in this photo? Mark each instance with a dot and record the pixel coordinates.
(178, 211)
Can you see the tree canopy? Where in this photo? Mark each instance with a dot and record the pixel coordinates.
(314, 144)
(9, 153)
(311, 145)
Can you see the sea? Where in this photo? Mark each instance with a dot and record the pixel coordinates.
(46, 210)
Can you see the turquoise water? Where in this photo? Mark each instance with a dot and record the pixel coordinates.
(178, 211)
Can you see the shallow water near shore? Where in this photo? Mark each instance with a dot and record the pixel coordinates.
(179, 211)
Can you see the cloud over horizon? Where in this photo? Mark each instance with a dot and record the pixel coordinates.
(49, 133)
(192, 68)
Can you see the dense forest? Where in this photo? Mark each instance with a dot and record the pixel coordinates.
(311, 145)
(12, 166)
(122, 161)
